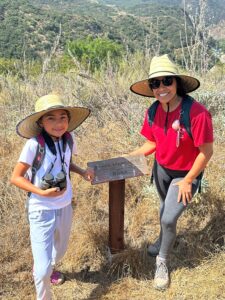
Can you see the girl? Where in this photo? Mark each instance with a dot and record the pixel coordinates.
(47, 154)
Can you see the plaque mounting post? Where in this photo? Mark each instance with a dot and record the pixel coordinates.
(115, 171)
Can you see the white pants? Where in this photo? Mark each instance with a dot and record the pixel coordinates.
(49, 235)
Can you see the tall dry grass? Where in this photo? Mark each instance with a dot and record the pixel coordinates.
(198, 259)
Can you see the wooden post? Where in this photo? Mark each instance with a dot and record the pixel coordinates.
(116, 215)
(115, 171)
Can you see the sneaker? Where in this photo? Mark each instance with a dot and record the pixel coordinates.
(161, 280)
(57, 278)
(153, 249)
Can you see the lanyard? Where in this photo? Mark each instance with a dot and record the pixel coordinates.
(62, 157)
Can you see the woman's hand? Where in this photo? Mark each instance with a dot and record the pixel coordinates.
(147, 148)
(185, 185)
(185, 191)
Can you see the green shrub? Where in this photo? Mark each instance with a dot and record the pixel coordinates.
(95, 52)
(19, 68)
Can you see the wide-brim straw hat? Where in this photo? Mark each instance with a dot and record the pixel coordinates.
(29, 127)
(163, 66)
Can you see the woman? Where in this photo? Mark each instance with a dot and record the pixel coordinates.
(180, 154)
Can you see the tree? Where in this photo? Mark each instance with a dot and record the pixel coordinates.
(196, 53)
(95, 52)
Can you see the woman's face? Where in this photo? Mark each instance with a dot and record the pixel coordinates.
(164, 89)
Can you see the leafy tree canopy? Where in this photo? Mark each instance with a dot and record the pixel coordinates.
(95, 52)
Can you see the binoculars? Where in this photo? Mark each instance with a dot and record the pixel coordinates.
(48, 181)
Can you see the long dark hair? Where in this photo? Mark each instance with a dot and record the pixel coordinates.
(180, 87)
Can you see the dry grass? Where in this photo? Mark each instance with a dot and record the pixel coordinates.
(198, 259)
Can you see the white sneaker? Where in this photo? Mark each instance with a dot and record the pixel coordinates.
(153, 249)
(161, 280)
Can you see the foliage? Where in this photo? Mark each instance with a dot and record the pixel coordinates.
(215, 12)
(23, 28)
(7, 66)
(221, 45)
(29, 28)
(19, 68)
(95, 52)
(111, 131)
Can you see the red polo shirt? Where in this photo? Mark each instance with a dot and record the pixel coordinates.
(167, 153)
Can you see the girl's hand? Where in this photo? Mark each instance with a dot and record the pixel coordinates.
(52, 192)
(89, 174)
(185, 191)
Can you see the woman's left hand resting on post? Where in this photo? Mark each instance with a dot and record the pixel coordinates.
(185, 185)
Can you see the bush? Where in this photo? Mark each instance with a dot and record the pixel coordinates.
(94, 53)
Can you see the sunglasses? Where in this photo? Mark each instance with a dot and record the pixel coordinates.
(155, 83)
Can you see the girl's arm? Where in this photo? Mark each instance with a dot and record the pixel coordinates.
(23, 183)
(185, 185)
(147, 148)
(87, 174)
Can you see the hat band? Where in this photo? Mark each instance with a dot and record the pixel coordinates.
(162, 72)
(51, 107)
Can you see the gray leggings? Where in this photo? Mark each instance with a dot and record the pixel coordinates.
(170, 209)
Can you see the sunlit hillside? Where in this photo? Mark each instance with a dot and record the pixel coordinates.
(28, 29)
(198, 258)
(90, 52)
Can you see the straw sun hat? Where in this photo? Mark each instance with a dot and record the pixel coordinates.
(29, 126)
(163, 66)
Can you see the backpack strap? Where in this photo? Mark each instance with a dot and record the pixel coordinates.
(38, 159)
(185, 119)
(68, 140)
(151, 115)
(151, 112)
(39, 156)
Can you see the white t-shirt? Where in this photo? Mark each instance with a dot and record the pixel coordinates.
(36, 202)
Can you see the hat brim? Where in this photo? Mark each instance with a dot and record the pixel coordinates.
(190, 84)
(28, 127)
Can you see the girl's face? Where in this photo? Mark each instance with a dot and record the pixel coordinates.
(164, 89)
(55, 123)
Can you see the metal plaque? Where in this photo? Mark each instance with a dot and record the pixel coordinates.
(119, 168)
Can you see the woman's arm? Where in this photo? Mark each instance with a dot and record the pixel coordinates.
(185, 191)
(23, 183)
(206, 152)
(147, 148)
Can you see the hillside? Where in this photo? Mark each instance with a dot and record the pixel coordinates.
(197, 265)
(30, 27)
(198, 260)
(215, 11)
